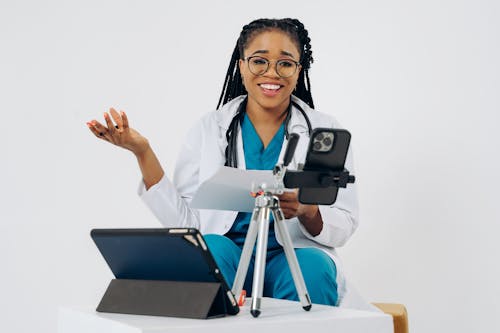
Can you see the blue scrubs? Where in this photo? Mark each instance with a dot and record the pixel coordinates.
(317, 267)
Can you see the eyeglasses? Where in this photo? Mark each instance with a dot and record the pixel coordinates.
(284, 67)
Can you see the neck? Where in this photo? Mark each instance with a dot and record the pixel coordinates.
(270, 116)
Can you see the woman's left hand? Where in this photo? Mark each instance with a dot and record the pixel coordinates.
(291, 207)
(308, 215)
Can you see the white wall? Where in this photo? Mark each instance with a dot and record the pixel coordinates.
(417, 83)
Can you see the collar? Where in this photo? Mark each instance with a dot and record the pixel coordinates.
(228, 111)
(297, 122)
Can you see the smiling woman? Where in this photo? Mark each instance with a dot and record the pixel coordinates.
(266, 95)
(269, 87)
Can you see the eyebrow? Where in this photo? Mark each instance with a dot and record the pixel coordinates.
(266, 52)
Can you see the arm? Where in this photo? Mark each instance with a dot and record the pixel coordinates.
(341, 219)
(327, 225)
(151, 169)
(309, 215)
(125, 137)
(168, 202)
(169, 199)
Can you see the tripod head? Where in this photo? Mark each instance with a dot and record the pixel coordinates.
(279, 170)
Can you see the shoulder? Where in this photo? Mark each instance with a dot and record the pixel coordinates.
(220, 118)
(316, 117)
(213, 125)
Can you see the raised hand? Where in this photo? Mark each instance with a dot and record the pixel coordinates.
(118, 132)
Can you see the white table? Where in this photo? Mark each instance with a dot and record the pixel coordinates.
(278, 316)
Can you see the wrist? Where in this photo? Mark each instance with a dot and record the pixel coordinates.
(312, 220)
(143, 151)
(310, 213)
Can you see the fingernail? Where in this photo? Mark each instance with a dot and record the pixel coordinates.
(93, 122)
(89, 124)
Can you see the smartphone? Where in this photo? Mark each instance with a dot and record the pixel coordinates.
(327, 152)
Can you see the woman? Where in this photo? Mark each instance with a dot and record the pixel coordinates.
(266, 95)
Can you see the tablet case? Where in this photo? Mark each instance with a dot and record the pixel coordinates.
(162, 272)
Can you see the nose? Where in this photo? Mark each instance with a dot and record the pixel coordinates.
(271, 71)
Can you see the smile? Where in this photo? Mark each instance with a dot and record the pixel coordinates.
(269, 89)
(270, 86)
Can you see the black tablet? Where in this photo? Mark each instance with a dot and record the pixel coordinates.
(175, 254)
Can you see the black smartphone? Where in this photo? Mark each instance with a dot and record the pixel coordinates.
(327, 152)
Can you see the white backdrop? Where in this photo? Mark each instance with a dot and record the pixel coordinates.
(416, 82)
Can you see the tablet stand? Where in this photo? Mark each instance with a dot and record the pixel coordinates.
(200, 300)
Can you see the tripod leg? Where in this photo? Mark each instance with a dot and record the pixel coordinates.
(291, 257)
(246, 254)
(260, 261)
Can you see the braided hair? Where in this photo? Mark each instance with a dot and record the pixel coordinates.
(233, 85)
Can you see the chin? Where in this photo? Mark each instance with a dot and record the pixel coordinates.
(271, 103)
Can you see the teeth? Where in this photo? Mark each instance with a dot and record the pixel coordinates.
(270, 86)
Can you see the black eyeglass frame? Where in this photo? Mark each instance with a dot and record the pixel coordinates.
(297, 65)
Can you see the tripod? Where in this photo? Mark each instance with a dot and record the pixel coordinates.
(319, 181)
(267, 203)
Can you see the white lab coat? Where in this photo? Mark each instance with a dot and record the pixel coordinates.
(202, 154)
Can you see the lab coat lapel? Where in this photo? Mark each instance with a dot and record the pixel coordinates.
(298, 125)
(227, 114)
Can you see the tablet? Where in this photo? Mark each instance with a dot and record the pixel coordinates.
(173, 254)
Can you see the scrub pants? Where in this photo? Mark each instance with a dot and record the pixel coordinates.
(317, 267)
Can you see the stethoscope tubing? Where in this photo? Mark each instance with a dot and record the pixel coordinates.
(231, 134)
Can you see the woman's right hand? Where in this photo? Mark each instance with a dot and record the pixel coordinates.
(118, 132)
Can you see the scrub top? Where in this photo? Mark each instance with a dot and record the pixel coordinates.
(257, 158)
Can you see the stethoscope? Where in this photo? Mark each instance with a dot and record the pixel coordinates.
(231, 134)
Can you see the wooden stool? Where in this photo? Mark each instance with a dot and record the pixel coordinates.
(398, 313)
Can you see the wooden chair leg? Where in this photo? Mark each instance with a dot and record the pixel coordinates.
(398, 313)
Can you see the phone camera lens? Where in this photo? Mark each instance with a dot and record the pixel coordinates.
(317, 145)
(327, 141)
(319, 137)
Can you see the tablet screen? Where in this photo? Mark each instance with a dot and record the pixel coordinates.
(157, 254)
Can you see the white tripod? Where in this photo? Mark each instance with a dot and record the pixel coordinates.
(267, 203)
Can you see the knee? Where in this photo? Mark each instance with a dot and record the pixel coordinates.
(218, 243)
(225, 253)
(222, 248)
(317, 265)
(213, 239)
(320, 275)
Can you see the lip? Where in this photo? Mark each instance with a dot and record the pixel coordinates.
(277, 83)
(270, 92)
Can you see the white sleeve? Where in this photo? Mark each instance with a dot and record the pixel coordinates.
(341, 219)
(169, 200)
